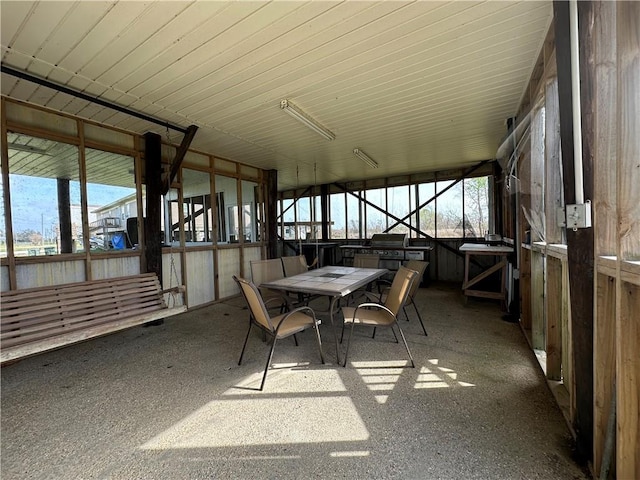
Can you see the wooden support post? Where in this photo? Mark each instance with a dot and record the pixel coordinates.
(604, 224)
(152, 221)
(324, 209)
(271, 213)
(64, 214)
(177, 161)
(628, 201)
(580, 243)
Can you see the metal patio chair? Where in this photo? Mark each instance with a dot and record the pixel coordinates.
(265, 271)
(281, 326)
(296, 265)
(418, 266)
(382, 315)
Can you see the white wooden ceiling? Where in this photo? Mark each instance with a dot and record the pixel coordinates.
(418, 86)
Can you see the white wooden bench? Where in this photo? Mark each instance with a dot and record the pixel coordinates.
(38, 319)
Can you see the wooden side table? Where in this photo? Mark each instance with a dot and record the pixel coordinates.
(481, 249)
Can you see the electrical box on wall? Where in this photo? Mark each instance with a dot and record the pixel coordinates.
(579, 215)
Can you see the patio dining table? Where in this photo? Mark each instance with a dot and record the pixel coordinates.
(334, 282)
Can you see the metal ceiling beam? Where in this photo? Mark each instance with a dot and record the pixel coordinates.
(75, 93)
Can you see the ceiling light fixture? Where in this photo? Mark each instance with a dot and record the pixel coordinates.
(28, 148)
(305, 119)
(365, 158)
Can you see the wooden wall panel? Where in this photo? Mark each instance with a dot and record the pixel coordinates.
(627, 386)
(110, 267)
(525, 290)
(604, 203)
(228, 265)
(628, 51)
(537, 300)
(554, 318)
(32, 275)
(604, 361)
(553, 195)
(200, 282)
(567, 344)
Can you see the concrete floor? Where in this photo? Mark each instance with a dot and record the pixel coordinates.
(171, 402)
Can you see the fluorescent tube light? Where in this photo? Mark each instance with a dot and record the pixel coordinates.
(303, 118)
(365, 158)
(28, 148)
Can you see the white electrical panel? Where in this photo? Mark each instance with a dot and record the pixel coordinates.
(578, 216)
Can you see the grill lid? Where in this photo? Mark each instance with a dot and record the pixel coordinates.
(398, 240)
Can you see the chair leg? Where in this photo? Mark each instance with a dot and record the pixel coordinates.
(266, 368)
(295, 339)
(315, 327)
(394, 335)
(346, 354)
(413, 365)
(406, 315)
(420, 318)
(245, 342)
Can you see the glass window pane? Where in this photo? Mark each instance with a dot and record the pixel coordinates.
(476, 206)
(171, 218)
(111, 199)
(196, 199)
(449, 205)
(303, 208)
(45, 196)
(289, 219)
(398, 205)
(228, 214)
(317, 217)
(337, 212)
(376, 220)
(427, 215)
(250, 211)
(353, 216)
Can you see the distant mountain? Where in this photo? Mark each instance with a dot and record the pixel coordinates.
(34, 200)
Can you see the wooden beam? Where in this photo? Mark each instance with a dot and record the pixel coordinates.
(605, 228)
(8, 225)
(271, 213)
(628, 203)
(153, 195)
(64, 215)
(324, 209)
(554, 198)
(177, 161)
(580, 250)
